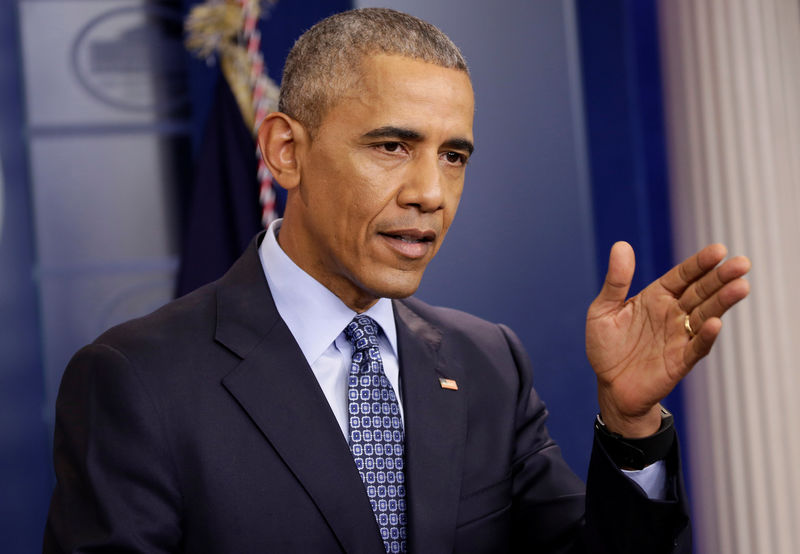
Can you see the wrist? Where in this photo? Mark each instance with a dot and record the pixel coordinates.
(637, 453)
(633, 427)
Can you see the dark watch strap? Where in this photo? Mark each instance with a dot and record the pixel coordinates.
(637, 453)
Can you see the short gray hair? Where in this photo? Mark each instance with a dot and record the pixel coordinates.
(325, 61)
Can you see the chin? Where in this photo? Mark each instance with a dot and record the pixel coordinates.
(396, 285)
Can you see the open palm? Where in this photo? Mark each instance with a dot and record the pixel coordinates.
(640, 348)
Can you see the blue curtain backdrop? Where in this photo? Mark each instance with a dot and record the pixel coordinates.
(625, 126)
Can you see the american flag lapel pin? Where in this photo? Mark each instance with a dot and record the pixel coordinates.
(449, 384)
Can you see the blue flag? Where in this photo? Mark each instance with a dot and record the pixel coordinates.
(223, 212)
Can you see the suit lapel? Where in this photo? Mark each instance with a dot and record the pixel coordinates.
(279, 392)
(435, 427)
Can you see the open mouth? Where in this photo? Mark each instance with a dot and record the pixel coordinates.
(408, 238)
(411, 235)
(410, 243)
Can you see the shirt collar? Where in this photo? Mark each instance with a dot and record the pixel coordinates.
(315, 316)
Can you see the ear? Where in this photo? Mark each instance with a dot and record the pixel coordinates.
(279, 137)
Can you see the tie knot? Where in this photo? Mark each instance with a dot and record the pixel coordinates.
(362, 332)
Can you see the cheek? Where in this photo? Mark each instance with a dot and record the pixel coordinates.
(450, 211)
(371, 199)
(356, 212)
(359, 186)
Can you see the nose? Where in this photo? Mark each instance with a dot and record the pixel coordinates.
(423, 186)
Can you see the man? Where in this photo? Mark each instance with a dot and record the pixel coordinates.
(291, 406)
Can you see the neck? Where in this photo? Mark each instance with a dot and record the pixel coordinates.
(353, 297)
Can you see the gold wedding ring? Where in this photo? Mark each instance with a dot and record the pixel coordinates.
(687, 324)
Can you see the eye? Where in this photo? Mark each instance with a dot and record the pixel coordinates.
(390, 146)
(455, 158)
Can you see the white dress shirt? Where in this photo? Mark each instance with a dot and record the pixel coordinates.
(316, 318)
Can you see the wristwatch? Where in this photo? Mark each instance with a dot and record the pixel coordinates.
(630, 453)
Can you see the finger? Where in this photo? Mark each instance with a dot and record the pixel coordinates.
(703, 288)
(621, 264)
(701, 343)
(719, 303)
(692, 268)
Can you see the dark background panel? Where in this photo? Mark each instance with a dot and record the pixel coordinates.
(24, 453)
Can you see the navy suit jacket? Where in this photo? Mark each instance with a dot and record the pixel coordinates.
(201, 428)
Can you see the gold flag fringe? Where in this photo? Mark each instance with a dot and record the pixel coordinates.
(221, 28)
(229, 30)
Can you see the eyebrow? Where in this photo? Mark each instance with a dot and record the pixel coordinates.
(394, 132)
(389, 131)
(460, 144)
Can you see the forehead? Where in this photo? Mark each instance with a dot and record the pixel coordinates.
(396, 90)
(381, 73)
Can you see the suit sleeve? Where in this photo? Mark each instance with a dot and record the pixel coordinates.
(116, 487)
(552, 512)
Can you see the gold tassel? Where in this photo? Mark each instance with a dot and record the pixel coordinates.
(215, 27)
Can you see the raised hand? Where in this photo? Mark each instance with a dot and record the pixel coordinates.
(640, 348)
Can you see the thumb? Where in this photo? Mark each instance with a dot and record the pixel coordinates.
(621, 263)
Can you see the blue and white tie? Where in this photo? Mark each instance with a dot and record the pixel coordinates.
(376, 433)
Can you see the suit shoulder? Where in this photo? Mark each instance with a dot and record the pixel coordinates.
(190, 315)
(452, 321)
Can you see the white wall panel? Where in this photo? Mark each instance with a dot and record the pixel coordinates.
(107, 130)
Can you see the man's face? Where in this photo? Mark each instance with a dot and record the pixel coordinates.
(381, 181)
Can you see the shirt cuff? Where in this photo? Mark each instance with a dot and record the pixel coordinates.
(651, 479)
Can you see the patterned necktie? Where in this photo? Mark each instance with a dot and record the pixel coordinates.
(376, 433)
